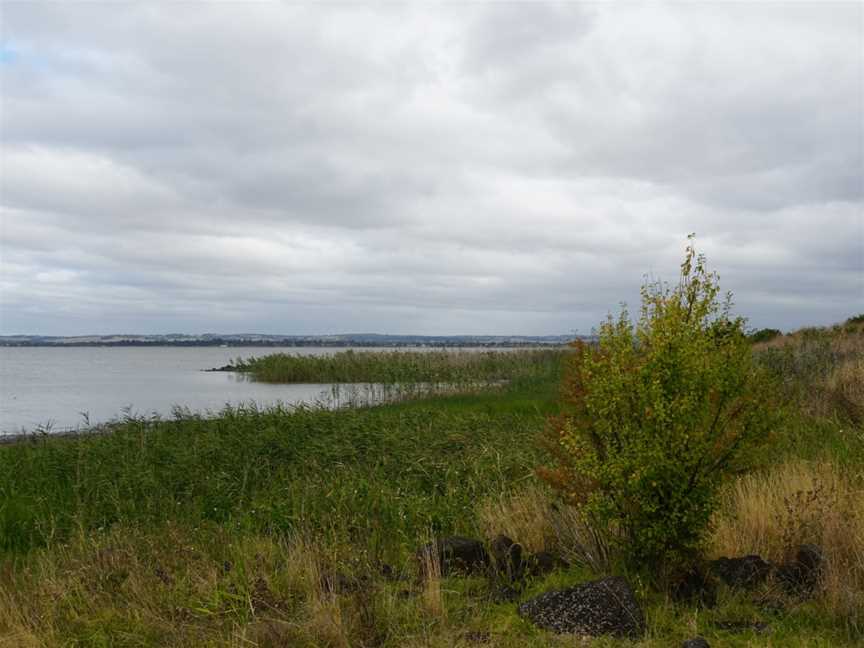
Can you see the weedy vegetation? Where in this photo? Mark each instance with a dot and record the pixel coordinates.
(676, 438)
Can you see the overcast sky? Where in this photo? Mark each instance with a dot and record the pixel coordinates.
(432, 169)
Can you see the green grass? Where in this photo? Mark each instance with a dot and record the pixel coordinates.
(385, 473)
(210, 532)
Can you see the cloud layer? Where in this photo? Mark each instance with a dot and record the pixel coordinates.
(482, 168)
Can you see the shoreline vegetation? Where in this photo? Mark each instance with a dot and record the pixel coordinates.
(306, 526)
(361, 379)
(454, 368)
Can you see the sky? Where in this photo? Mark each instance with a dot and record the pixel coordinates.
(457, 168)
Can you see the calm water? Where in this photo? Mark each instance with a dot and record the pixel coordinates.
(41, 385)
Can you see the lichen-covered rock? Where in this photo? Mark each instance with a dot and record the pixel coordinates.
(602, 607)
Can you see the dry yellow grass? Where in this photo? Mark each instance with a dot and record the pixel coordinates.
(529, 517)
(845, 339)
(524, 516)
(432, 596)
(798, 502)
(168, 588)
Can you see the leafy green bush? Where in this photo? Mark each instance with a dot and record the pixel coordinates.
(659, 412)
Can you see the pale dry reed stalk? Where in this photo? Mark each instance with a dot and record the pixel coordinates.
(432, 595)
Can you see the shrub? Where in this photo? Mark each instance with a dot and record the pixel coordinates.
(657, 413)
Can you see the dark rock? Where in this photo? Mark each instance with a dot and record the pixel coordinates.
(602, 607)
(456, 554)
(759, 627)
(694, 587)
(543, 562)
(696, 642)
(744, 572)
(507, 557)
(801, 576)
(810, 557)
(500, 546)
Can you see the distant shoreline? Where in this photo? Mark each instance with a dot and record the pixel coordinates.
(341, 342)
(335, 345)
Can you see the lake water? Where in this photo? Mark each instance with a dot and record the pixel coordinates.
(41, 386)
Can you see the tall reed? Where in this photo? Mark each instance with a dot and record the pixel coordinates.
(391, 367)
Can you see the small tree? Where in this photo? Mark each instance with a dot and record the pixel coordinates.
(657, 413)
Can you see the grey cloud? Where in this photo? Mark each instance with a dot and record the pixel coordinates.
(478, 168)
(771, 108)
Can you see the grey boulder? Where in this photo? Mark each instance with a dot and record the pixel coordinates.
(602, 607)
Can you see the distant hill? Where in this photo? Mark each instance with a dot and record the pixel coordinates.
(257, 339)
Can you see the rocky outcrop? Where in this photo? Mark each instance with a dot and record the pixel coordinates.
(602, 607)
(800, 577)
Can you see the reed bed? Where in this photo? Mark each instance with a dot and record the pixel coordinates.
(385, 473)
(394, 367)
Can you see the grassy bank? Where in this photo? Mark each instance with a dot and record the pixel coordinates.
(238, 530)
